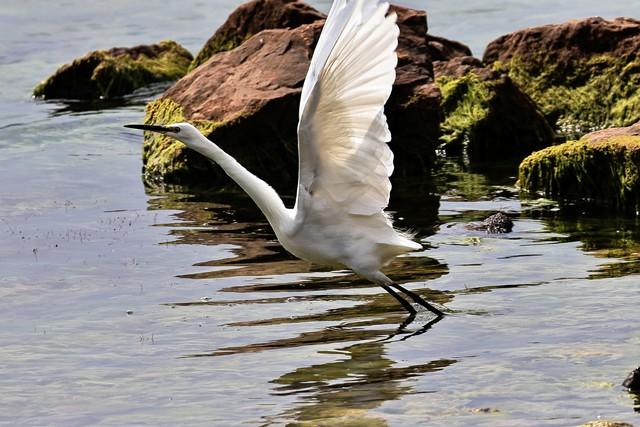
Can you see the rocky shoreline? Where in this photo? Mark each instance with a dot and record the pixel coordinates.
(532, 89)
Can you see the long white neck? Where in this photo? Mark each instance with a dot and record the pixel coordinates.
(262, 193)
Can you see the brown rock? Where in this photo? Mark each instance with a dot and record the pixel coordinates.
(459, 66)
(604, 134)
(413, 110)
(583, 74)
(564, 43)
(414, 58)
(247, 99)
(442, 49)
(253, 17)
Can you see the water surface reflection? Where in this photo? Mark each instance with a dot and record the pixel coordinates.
(344, 392)
(504, 289)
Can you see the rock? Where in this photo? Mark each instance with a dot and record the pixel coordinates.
(486, 112)
(253, 17)
(605, 134)
(496, 223)
(632, 382)
(605, 423)
(602, 168)
(442, 49)
(584, 74)
(413, 110)
(116, 72)
(247, 100)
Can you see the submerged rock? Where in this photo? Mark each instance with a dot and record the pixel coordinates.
(603, 168)
(112, 73)
(584, 74)
(246, 100)
(253, 17)
(485, 113)
(632, 382)
(496, 223)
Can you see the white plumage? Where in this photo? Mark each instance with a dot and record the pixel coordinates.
(344, 160)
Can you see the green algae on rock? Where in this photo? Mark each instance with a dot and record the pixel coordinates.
(486, 114)
(166, 157)
(584, 75)
(602, 168)
(251, 18)
(116, 72)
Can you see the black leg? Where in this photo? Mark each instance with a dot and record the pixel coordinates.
(423, 329)
(418, 299)
(410, 318)
(401, 300)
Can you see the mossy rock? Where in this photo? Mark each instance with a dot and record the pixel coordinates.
(116, 72)
(166, 158)
(251, 18)
(486, 114)
(602, 170)
(584, 75)
(262, 140)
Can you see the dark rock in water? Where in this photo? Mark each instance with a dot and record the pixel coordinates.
(601, 169)
(253, 17)
(246, 99)
(486, 113)
(632, 382)
(112, 73)
(584, 74)
(496, 223)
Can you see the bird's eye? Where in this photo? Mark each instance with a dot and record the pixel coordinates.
(174, 129)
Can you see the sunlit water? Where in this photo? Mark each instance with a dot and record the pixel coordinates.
(121, 305)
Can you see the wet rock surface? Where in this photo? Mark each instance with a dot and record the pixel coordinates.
(584, 74)
(116, 72)
(602, 168)
(496, 223)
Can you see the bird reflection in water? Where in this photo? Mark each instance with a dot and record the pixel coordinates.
(347, 390)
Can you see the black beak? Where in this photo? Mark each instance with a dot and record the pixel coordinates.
(155, 128)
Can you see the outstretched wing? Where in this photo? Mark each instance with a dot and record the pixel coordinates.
(343, 133)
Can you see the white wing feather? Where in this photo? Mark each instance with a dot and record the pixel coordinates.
(343, 133)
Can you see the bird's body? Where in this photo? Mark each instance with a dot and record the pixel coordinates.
(344, 161)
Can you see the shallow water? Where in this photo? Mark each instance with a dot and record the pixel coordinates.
(122, 305)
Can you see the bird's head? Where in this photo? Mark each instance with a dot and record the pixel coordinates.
(184, 132)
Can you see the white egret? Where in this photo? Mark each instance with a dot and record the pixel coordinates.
(344, 161)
